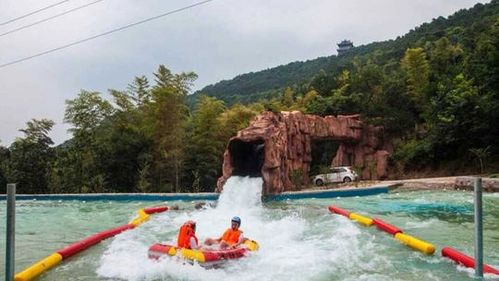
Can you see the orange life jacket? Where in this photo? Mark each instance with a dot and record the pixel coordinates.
(231, 236)
(184, 236)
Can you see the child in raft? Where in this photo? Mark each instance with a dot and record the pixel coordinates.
(187, 236)
(231, 238)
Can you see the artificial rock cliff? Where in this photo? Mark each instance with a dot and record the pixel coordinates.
(277, 146)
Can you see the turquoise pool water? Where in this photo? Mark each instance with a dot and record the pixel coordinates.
(299, 239)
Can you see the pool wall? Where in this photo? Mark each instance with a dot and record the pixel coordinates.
(330, 193)
(119, 196)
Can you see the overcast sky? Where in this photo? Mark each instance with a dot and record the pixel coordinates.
(217, 40)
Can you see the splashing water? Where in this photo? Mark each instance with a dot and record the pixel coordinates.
(289, 250)
(298, 240)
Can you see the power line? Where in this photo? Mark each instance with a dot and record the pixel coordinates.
(105, 33)
(34, 12)
(49, 18)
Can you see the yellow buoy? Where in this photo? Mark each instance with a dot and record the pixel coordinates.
(361, 219)
(39, 267)
(142, 213)
(415, 243)
(143, 217)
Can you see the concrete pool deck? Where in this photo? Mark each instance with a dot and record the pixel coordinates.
(489, 184)
(331, 193)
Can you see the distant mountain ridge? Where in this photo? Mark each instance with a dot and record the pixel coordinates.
(242, 87)
(265, 84)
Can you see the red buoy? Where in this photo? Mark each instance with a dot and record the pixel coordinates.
(81, 245)
(339, 211)
(386, 227)
(465, 260)
(157, 209)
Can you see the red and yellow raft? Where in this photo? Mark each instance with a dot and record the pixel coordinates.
(203, 256)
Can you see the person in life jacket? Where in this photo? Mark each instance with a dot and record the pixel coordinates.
(231, 238)
(187, 236)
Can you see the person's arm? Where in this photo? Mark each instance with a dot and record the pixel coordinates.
(221, 237)
(193, 244)
(240, 241)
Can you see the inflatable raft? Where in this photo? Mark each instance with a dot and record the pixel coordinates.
(202, 256)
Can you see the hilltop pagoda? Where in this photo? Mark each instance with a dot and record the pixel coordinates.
(344, 46)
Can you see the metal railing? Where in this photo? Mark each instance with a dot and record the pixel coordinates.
(478, 228)
(11, 230)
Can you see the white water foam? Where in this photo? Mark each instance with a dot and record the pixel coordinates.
(421, 224)
(292, 247)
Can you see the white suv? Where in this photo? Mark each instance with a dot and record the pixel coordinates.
(338, 174)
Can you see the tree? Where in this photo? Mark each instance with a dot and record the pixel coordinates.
(444, 57)
(37, 131)
(143, 184)
(87, 113)
(166, 119)
(456, 114)
(361, 90)
(236, 118)
(181, 82)
(206, 145)
(323, 82)
(139, 90)
(304, 101)
(123, 100)
(126, 158)
(481, 154)
(4, 161)
(417, 70)
(287, 99)
(482, 60)
(66, 173)
(169, 117)
(31, 156)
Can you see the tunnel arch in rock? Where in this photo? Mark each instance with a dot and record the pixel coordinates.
(276, 145)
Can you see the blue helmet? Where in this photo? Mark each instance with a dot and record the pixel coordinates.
(237, 220)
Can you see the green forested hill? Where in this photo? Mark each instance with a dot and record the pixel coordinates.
(255, 86)
(434, 89)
